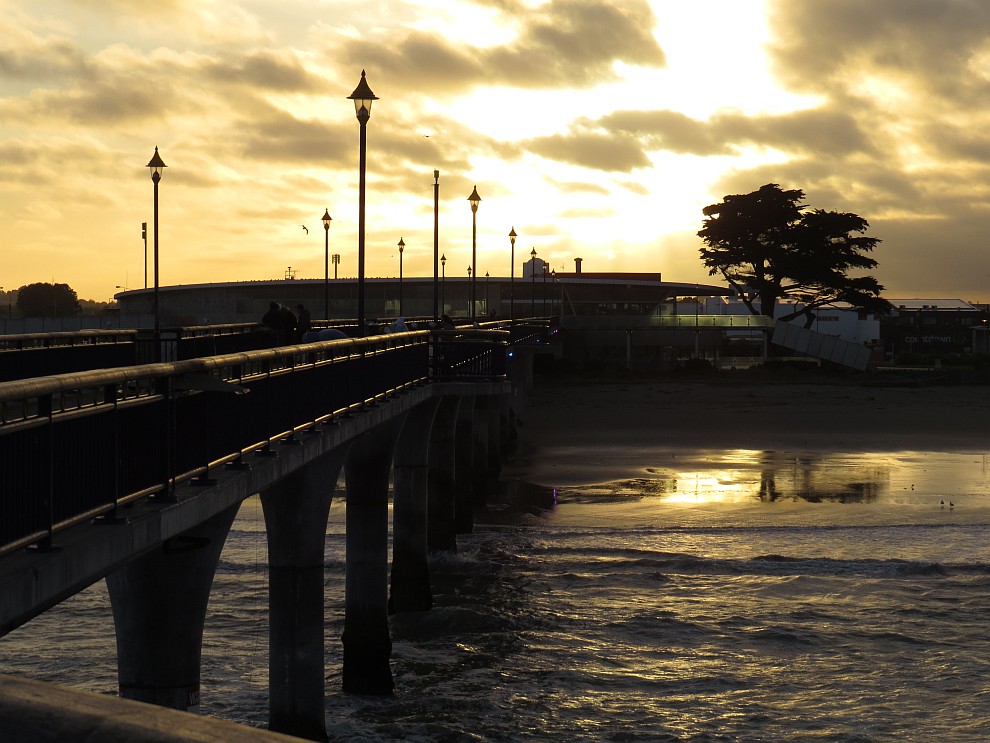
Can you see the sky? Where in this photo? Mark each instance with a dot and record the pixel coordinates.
(597, 129)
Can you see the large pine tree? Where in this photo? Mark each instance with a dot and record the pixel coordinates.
(769, 246)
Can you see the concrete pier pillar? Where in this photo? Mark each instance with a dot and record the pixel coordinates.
(464, 467)
(296, 511)
(366, 638)
(442, 532)
(159, 608)
(493, 416)
(507, 425)
(480, 478)
(410, 468)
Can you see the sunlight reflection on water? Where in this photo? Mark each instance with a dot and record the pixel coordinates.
(741, 476)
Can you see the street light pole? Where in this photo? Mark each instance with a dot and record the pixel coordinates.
(326, 263)
(512, 273)
(144, 236)
(436, 239)
(475, 200)
(544, 289)
(157, 167)
(471, 298)
(532, 283)
(487, 311)
(443, 282)
(553, 280)
(362, 97)
(402, 247)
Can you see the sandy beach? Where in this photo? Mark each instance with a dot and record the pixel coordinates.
(565, 418)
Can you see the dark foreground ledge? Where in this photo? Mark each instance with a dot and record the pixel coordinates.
(36, 712)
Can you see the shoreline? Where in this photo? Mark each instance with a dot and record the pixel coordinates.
(565, 420)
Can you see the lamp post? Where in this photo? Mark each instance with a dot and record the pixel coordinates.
(436, 239)
(471, 298)
(335, 260)
(487, 311)
(532, 283)
(553, 280)
(402, 247)
(443, 282)
(326, 263)
(475, 200)
(362, 97)
(157, 166)
(144, 236)
(512, 273)
(544, 289)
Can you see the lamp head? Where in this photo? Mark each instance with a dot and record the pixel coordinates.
(326, 219)
(474, 199)
(156, 164)
(402, 245)
(512, 235)
(363, 97)
(443, 259)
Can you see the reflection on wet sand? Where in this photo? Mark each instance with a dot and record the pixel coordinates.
(742, 475)
(748, 476)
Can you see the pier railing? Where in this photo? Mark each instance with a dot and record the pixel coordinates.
(78, 446)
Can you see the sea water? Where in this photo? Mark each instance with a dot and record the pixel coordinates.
(715, 596)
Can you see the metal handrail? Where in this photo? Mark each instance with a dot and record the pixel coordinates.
(81, 444)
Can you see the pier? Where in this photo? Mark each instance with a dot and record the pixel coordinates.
(134, 474)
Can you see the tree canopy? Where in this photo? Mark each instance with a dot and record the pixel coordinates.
(768, 246)
(47, 300)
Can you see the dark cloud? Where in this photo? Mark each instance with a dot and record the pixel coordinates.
(264, 69)
(928, 45)
(818, 131)
(281, 137)
(866, 188)
(592, 150)
(914, 77)
(143, 90)
(667, 130)
(41, 60)
(562, 43)
(36, 163)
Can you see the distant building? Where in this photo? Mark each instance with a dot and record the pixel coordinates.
(934, 326)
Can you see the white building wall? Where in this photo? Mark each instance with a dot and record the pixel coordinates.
(845, 324)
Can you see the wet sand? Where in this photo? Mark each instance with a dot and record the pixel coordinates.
(565, 422)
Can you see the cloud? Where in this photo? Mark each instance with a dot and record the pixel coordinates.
(561, 43)
(281, 137)
(264, 68)
(913, 77)
(35, 59)
(820, 131)
(591, 150)
(578, 187)
(929, 46)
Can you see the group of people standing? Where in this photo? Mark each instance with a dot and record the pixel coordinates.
(296, 327)
(283, 321)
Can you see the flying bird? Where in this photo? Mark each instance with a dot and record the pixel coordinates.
(305, 228)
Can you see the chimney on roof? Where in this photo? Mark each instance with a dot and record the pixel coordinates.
(577, 266)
